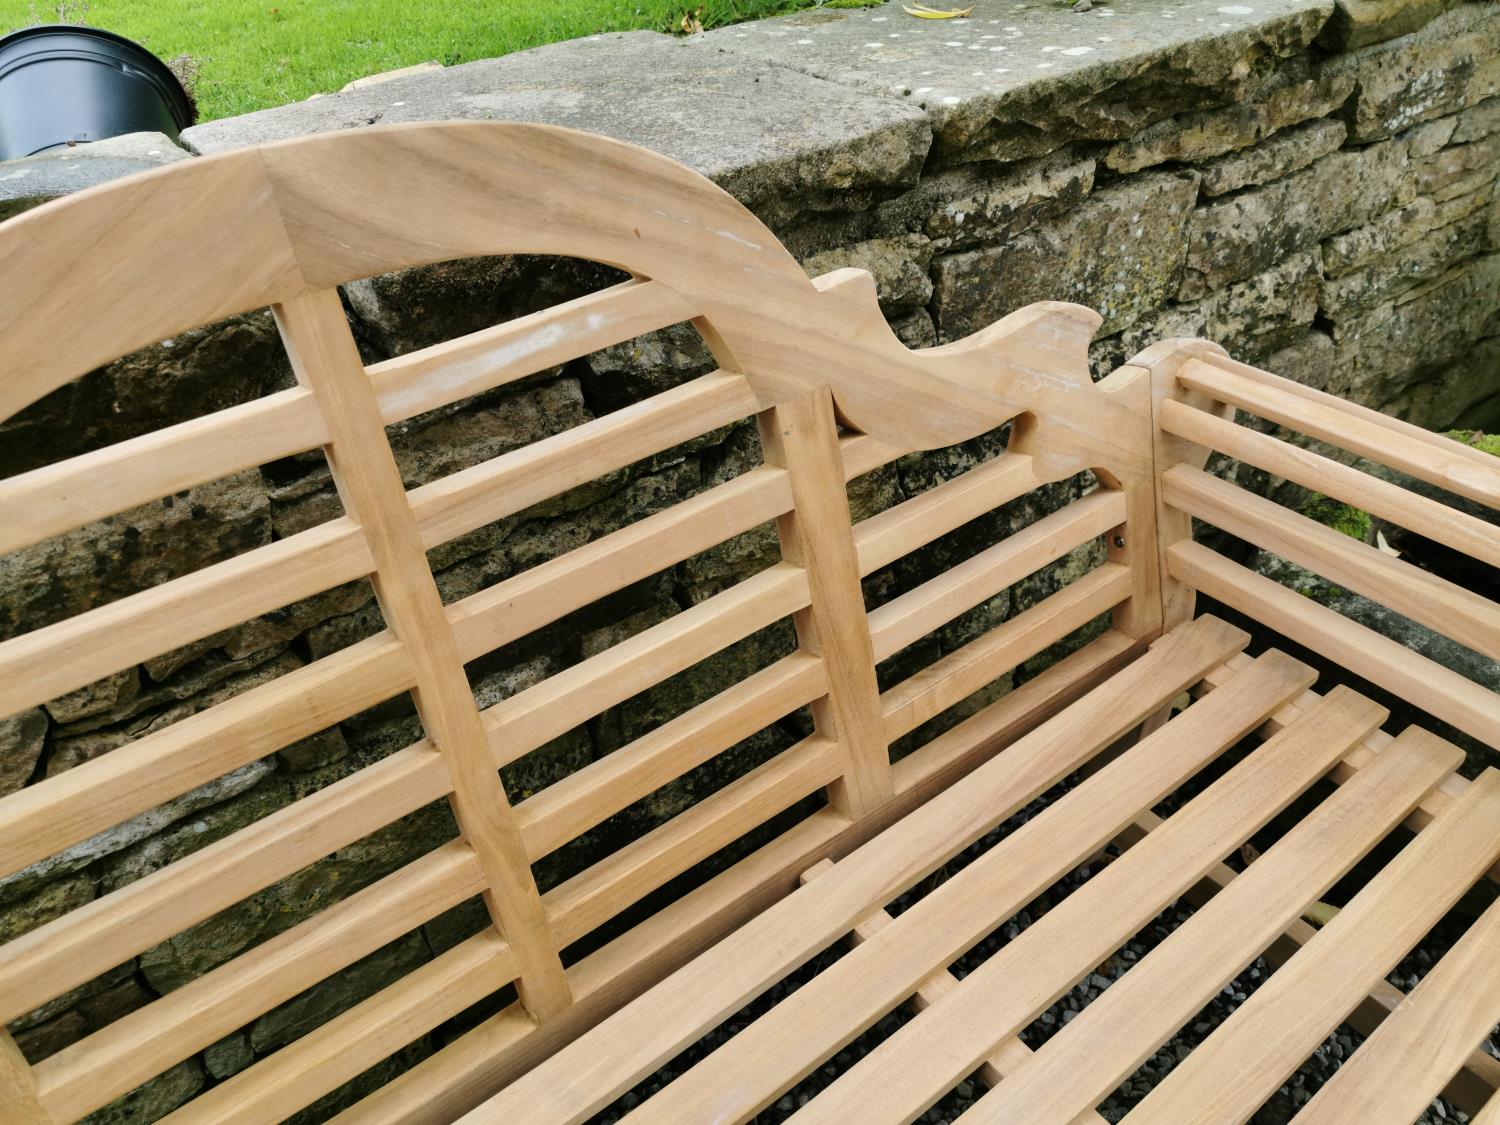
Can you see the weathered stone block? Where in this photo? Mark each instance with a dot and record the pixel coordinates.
(1358, 248)
(131, 551)
(1122, 252)
(1416, 354)
(1205, 134)
(899, 266)
(52, 901)
(1451, 64)
(228, 1056)
(1245, 233)
(1358, 23)
(1422, 260)
(22, 737)
(969, 209)
(1476, 122)
(338, 993)
(154, 1099)
(1266, 311)
(1280, 156)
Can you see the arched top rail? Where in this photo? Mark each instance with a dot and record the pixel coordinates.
(97, 275)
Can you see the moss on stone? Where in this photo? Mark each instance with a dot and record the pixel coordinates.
(1351, 521)
(1478, 439)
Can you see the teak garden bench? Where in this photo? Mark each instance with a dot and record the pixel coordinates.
(110, 270)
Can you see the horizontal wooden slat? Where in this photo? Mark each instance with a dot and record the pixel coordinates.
(624, 877)
(533, 717)
(537, 597)
(1466, 617)
(1007, 1057)
(1362, 651)
(117, 1058)
(56, 659)
(1257, 1048)
(1399, 1069)
(899, 530)
(1426, 456)
(458, 503)
(1079, 1066)
(70, 950)
(788, 1042)
(49, 501)
(1407, 509)
(583, 799)
(985, 659)
(487, 1058)
(341, 1049)
(701, 994)
(912, 1069)
(61, 811)
(916, 613)
(468, 365)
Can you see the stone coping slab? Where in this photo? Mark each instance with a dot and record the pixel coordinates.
(762, 131)
(1017, 79)
(32, 180)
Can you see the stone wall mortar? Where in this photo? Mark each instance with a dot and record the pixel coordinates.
(1311, 184)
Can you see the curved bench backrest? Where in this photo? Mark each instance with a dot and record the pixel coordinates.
(97, 275)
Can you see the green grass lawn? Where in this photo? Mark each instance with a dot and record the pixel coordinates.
(256, 53)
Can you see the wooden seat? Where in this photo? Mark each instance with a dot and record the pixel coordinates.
(919, 731)
(972, 1024)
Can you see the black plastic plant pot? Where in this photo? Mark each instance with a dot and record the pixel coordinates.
(61, 84)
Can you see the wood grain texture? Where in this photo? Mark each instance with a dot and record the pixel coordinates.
(324, 358)
(801, 436)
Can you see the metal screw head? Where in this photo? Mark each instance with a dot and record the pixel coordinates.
(1118, 542)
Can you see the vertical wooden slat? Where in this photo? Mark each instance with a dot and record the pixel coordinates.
(18, 1100)
(364, 470)
(801, 436)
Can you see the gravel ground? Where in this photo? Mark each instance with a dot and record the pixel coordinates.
(1279, 1108)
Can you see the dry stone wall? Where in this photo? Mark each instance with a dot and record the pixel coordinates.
(1311, 184)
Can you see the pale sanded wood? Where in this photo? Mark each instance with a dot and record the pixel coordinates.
(1490, 1114)
(1436, 521)
(341, 1049)
(537, 597)
(17, 1086)
(1427, 456)
(68, 951)
(1087, 1059)
(1254, 1051)
(910, 616)
(784, 1045)
(324, 357)
(526, 720)
(1469, 1088)
(117, 1058)
(965, 670)
(62, 657)
(1397, 1072)
(900, 529)
(455, 369)
(584, 798)
(44, 819)
(1437, 690)
(801, 436)
(463, 1074)
(1469, 618)
(701, 994)
(635, 870)
(49, 501)
(924, 1059)
(1008, 1057)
